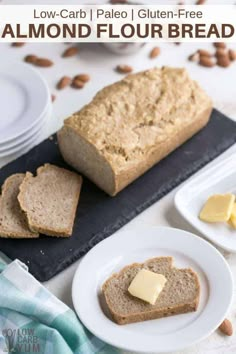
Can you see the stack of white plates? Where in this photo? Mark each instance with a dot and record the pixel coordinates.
(25, 107)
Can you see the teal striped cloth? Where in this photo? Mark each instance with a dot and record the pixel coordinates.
(32, 320)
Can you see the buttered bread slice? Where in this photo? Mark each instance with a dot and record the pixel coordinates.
(131, 125)
(180, 293)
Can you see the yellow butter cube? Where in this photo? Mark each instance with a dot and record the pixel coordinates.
(218, 208)
(147, 285)
(233, 216)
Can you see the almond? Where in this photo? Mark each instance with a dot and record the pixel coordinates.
(154, 52)
(77, 84)
(18, 44)
(31, 58)
(224, 62)
(63, 82)
(226, 327)
(118, 1)
(194, 57)
(124, 69)
(204, 53)
(70, 52)
(232, 54)
(82, 77)
(220, 45)
(200, 2)
(220, 52)
(43, 62)
(207, 62)
(53, 97)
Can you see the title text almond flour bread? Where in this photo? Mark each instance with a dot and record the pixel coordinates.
(131, 125)
(50, 200)
(13, 222)
(179, 295)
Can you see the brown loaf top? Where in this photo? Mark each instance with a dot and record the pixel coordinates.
(128, 121)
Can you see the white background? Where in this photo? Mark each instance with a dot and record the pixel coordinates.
(100, 64)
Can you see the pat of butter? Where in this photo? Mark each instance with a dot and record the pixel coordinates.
(233, 216)
(147, 285)
(218, 208)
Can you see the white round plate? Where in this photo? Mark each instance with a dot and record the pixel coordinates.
(32, 141)
(24, 99)
(22, 138)
(25, 139)
(161, 335)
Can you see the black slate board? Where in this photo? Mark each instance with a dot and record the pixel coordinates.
(99, 215)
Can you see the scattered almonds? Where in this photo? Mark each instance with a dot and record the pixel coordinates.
(18, 44)
(124, 69)
(118, 1)
(31, 58)
(53, 97)
(63, 82)
(77, 84)
(194, 57)
(223, 61)
(220, 45)
(43, 62)
(232, 54)
(82, 77)
(206, 61)
(226, 327)
(204, 53)
(154, 52)
(220, 52)
(70, 52)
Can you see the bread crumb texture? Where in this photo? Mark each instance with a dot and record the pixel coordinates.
(180, 293)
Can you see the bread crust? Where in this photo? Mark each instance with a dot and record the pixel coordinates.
(73, 144)
(6, 233)
(154, 313)
(36, 227)
(126, 177)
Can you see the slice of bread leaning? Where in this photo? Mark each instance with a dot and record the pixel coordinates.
(50, 200)
(179, 295)
(13, 222)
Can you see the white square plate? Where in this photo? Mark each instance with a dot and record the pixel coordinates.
(189, 200)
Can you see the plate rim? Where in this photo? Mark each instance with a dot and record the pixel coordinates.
(180, 347)
(34, 133)
(25, 66)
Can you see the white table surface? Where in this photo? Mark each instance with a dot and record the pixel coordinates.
(100, 64)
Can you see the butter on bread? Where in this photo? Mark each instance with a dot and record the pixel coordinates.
(179, 295)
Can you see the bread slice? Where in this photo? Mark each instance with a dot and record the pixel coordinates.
(50, 200)
(13, 222)
(179, 295)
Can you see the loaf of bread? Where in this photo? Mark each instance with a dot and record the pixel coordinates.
(131, 125)
(179, 295)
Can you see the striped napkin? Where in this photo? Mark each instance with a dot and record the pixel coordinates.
(32, 320)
